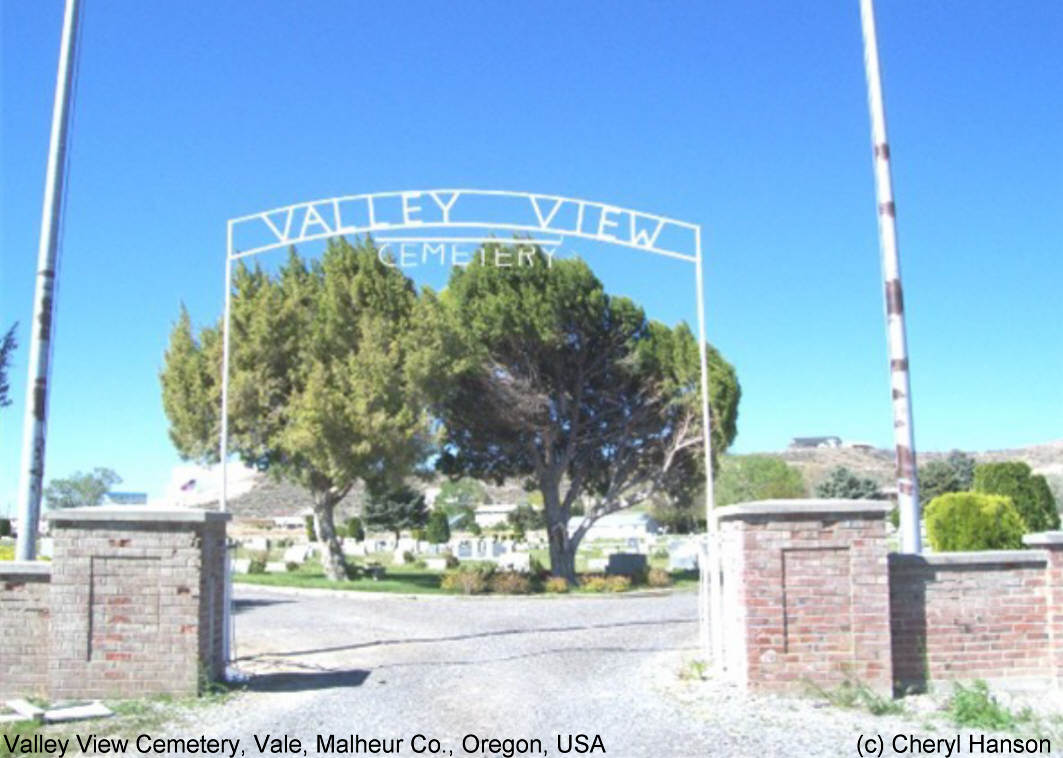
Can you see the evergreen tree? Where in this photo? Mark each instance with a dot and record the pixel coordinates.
(550, 379)
(7, 347)
(1028, 491)
(843, 484)
(437, 530)
(396, 510)
(320, 391)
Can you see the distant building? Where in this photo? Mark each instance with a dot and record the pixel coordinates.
(124, 498)
(807, 442)
(618, 526)
(493, 514)
(860, 446)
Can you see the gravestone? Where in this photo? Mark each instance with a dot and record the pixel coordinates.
(516, 561)
(626, 564)
(296, 554)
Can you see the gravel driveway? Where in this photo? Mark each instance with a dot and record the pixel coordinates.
(392, 667)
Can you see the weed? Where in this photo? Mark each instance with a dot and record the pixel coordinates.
(856, 694)
(976, 707)
(694, 670)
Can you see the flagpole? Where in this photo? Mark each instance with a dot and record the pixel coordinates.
(900, 386)
(42, 326)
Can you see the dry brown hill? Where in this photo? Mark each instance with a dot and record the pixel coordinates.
(269, 498)
(878, 464)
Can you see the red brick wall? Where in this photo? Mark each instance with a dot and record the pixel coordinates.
(129, 613)
(807, 600)
(131, 605)
(809, 596)
(24, 628)
(970, 616)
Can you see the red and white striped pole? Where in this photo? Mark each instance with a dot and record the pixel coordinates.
(903, 432)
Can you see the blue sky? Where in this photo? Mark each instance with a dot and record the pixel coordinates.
(748, 118)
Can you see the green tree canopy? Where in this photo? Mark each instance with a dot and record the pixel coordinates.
(320, 392)
(843, 484)
(1030, 492)
(744, 478)
(551, 379)
(7, 348)
(80, 489)
(396, 510)
(955, 473)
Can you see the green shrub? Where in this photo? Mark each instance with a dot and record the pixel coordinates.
(452, 561)
(1029, 492)
(657, 577)
(408, 557)
(420, 564)
(484, 568)
(5, 527)
(311, 533)
(557, 585)
(7, 552)
(355, 530)
(257, 564)
(341, 531)
(291, 566)
(594, 583)
(618, 583)
(511, 583)
(744, 478)
(536, 568)
(466, 581)
(973, 521)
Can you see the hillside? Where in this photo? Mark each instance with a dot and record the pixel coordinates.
(814, 463)
(268, 498)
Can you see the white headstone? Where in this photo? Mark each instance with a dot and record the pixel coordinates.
(296, 554)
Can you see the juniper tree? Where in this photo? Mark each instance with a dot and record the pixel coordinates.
(542, 375)
(319, 391)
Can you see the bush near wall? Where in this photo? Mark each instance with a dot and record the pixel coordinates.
(973, 521)
(5, 527)
(1030, 492)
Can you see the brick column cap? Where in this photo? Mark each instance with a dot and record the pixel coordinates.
(806, 507)
(25, 568)
(147, 514)
(1049, 540)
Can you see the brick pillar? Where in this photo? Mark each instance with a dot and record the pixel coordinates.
(24, 628)
(136, 601)
(1052, 544)
(806, 593)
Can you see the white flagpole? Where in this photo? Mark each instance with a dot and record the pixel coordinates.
(903, 431)
(34, 425)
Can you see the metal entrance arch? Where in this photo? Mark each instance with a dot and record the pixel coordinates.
(467, 216)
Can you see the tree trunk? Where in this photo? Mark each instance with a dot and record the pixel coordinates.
(562, 552)
(332, 560)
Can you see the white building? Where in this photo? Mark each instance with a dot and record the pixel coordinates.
(493, 514)
(618, 526)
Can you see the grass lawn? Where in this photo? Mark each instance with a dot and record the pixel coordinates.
(398, 579)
